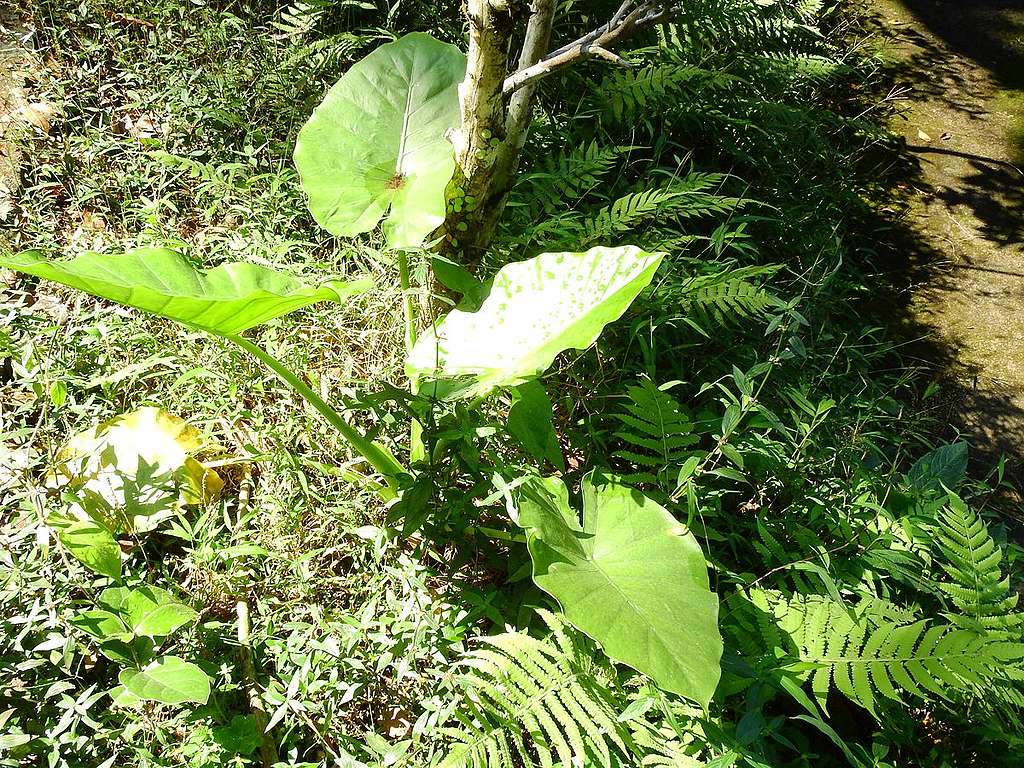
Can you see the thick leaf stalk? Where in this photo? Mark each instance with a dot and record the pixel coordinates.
(381, 460)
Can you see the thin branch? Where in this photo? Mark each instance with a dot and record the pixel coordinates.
(538, 37)
(631, 17)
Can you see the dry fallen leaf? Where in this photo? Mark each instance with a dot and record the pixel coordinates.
(38, 114)
(923, 136)
(137, 469)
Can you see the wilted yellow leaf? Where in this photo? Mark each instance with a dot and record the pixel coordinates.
(137, 469)
(38, 114)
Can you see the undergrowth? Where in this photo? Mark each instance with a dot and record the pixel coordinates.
(868, 591)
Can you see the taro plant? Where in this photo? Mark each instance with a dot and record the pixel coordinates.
(379, 149)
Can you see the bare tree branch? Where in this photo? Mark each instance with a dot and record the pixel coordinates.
(631, 17)
(538, 37)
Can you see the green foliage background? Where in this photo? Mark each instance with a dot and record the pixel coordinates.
(868, 592)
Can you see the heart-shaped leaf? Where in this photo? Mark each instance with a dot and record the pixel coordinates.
(148, 611)
(632, 578)
(102, 625)
(169, 680)
(93, 545)
(225, 300)
(536, 309)
(378, 142)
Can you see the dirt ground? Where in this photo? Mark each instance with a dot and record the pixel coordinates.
(16, 110)
(959, 68)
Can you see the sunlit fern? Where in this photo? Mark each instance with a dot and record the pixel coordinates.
(529, 701)
(656, 433)
(971, 559)
(874, 652)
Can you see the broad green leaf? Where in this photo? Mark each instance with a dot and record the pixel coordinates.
(136, 469)
(530, 422)
(148, 611)
(122, 697)
(536, 309)
(94, 546)
(378, 142)
(632, 578)
(169, 680)
(240, 737)
(946, 465)
(225, 300)
(102, 625)
(133, 652)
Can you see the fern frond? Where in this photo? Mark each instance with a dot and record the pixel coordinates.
(657, 433)
(627, 94)
(867, 656)
(971, 558)
(721, 298)
(565, 178)
(530, 702)
(684, 198)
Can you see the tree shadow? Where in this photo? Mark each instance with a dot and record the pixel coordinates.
(951, 62)
(971, 57)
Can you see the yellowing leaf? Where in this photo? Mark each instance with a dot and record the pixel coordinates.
(137, 469)
(37, 114)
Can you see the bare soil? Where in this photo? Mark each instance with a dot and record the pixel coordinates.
(959, 72)
(14, 66)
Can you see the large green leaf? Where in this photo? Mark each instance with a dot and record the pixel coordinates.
(225, 300)
(632, 578)
(536, 309)
(148, 610)
(169, 680)
(378, 141)
(93, 545)
(102, 625)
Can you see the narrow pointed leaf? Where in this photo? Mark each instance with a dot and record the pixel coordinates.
(377, 144)
(536, 309)
(225, 300)
(632, 578)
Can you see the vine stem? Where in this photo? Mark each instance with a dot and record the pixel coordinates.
(379, 457)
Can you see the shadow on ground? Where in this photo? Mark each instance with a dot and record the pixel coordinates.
(960, 66)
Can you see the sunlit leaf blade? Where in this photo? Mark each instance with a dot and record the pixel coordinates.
(147, 610)
(93, 545)
(169, 680)
(225, 300)
(632, 578)
(536, 309)
(101, 624)
(378, 142)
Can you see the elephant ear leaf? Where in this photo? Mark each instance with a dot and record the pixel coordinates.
(377, 144)
(631, 577)
(225, 300)
(536, 309)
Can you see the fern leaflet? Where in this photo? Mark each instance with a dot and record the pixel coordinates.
(533, 702)
(970, 557)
